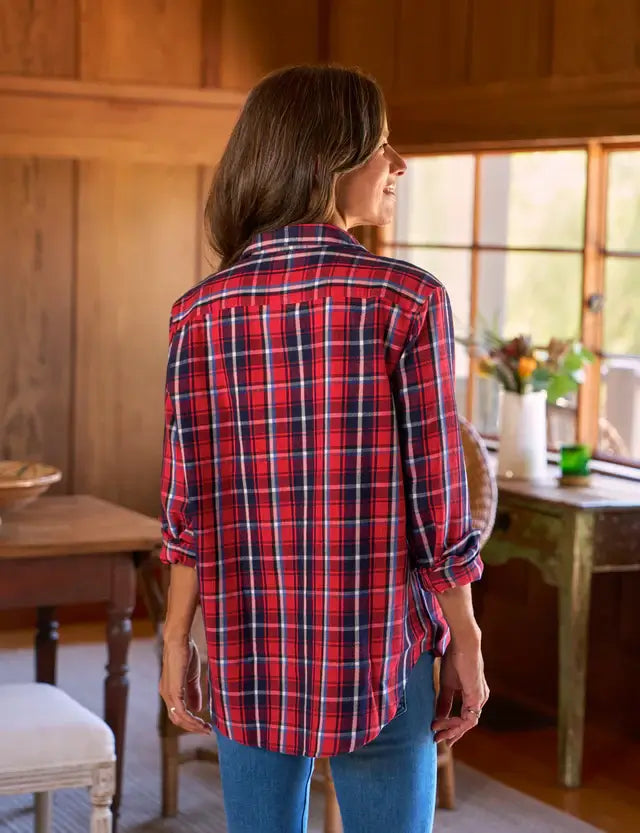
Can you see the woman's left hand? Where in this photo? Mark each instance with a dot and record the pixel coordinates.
(180, 685)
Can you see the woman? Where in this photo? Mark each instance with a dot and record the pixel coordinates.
(314, 492)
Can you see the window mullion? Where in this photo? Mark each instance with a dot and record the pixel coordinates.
(473, 284)
(592, 287)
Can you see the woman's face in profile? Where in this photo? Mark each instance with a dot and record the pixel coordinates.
(367, 196)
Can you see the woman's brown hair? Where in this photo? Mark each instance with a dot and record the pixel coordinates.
(300, 128)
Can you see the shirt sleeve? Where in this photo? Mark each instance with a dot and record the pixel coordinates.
(443, 545)
(177, 533)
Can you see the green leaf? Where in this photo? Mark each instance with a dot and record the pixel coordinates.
(573, 361)
(560, 386)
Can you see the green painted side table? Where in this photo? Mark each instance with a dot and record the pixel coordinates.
(570, 534)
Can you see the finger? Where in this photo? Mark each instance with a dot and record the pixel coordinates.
(444, 723)
(471, 713)
(453, 735)
(444, 702)
(182, 717)
(462, 729)
(445, 729)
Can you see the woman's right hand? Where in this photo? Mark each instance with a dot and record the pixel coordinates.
(461, 672)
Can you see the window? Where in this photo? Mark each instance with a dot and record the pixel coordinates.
(545, 242)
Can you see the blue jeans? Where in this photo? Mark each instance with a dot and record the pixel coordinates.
(386, 785)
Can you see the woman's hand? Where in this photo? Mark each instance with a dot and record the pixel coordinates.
(180, 684)
(462, 670)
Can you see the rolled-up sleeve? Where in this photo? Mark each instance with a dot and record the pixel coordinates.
(443, 545)
(177, 532)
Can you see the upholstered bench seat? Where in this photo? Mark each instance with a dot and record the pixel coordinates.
(49, 741)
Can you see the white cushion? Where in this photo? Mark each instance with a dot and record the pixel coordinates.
(41, 726)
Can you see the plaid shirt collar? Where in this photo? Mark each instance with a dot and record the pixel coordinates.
(299, 236)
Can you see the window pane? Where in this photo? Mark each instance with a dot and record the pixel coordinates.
(528, 293)
(533, 199)
(622, 306)
(453, 269)
(619, 424)
(523, 292)
(435, 200)
(623, 201)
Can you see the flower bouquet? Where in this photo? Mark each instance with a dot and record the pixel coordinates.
(557, 368)
(529, 377)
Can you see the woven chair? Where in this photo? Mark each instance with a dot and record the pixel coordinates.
(483, 496)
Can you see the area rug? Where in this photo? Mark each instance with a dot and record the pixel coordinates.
(484, 805)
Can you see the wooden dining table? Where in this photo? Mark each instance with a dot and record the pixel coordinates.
(74, 549)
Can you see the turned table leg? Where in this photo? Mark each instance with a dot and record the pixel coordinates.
(116, 686)
(576, 562)
(46, 645)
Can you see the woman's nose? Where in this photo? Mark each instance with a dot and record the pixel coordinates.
(398, 165)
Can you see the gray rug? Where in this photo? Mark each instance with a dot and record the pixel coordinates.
(484, 805)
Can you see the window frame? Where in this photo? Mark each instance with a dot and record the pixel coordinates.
(593, 251)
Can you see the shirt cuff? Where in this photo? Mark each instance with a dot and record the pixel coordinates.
(177, 552)
(459, 565)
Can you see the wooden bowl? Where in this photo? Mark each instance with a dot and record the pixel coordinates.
(21, 483)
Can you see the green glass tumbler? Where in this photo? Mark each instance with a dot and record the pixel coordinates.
(574, 460)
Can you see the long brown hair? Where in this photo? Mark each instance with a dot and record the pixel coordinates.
(299, 129)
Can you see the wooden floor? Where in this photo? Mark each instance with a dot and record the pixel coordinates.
(609, 797)
(524, 759)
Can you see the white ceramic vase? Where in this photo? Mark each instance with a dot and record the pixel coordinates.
(522, 450)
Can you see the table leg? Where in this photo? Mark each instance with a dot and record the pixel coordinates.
(46, 645)
(116, 687)
(576, 561)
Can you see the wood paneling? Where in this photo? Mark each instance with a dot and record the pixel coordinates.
(510, 40)
(147, 41)
(36, 271)
(207, 261)
(546, 108)
(260, 37)
(86, 121)
(212, 42)
(363, 33)
(136, 255)
(596, 36)
(432, 44)
(38, 37)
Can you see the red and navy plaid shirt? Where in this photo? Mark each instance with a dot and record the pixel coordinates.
(313, 474)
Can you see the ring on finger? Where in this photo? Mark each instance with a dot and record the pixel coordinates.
(172, 709)
(477, 712)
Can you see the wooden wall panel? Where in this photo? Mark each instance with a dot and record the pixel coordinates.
(208, 261)
(260, 37)
(36, 282)
(432, 44)
(212, 42)
(146, 41)
(136, 255)
(599, 36)
(38, 37)
(363, 33)
(87, 120)
(510, 40)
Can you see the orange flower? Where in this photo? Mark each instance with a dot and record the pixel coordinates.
(526, 366)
